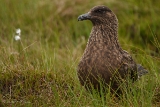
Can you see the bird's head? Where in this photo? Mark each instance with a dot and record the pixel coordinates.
(99, 15)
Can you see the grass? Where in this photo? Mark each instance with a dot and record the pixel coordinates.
(40, 70)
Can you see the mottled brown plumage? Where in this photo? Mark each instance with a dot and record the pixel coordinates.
(103, 59)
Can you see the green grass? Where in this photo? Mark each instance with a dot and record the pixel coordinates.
(40, 70)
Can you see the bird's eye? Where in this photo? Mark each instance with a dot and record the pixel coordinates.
(99, 11)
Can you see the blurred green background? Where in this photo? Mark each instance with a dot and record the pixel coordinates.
(52, 43)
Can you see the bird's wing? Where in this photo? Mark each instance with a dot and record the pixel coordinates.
(140, 70)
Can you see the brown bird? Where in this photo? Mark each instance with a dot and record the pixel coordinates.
(104, 60)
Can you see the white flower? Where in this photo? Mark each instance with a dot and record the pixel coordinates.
(18, 31)
(17, 37)
(18, 34)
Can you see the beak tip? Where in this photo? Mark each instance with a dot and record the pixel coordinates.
(80, 18)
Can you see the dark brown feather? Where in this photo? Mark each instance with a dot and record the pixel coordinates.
(103, 59)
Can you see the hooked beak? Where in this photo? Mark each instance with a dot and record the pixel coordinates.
(85, 16)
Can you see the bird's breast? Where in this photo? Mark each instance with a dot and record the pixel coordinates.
(101, 55)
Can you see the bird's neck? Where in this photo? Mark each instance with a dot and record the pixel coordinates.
(105, 33)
